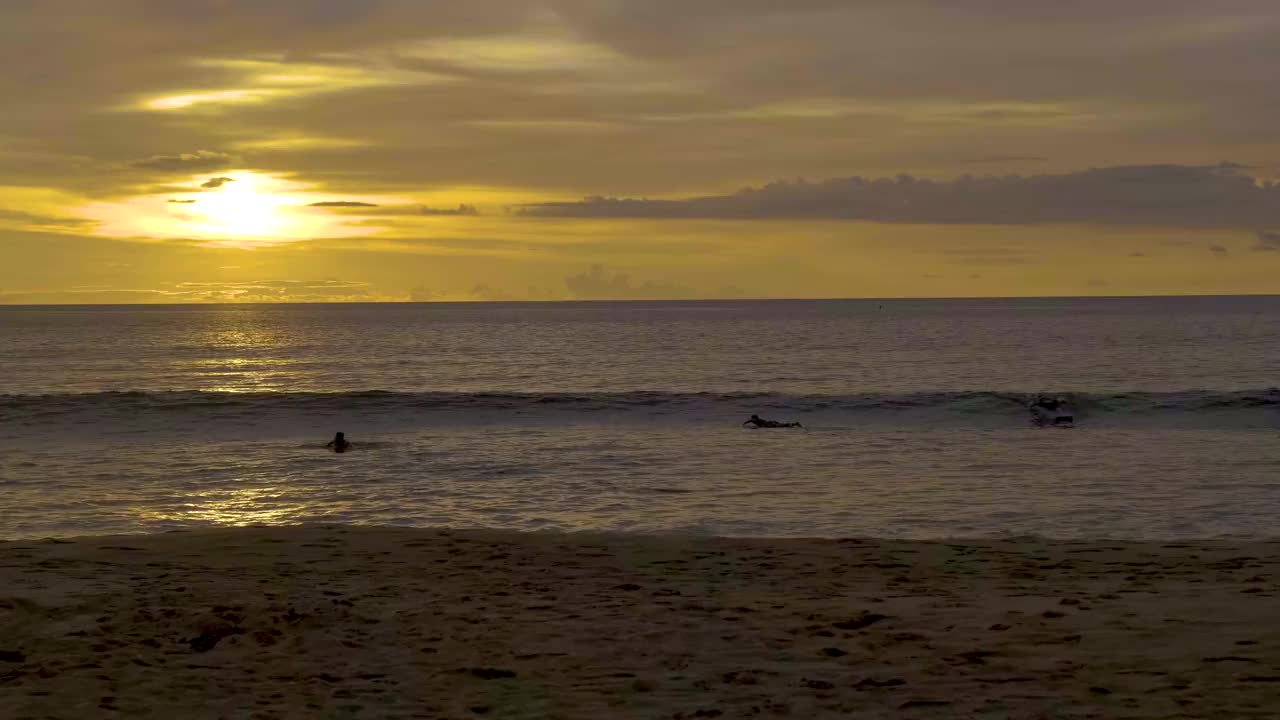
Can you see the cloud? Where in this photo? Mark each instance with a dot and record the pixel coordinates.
(422, 294)
(283, 286)
(96, 296)
(746, 90)
(999, 159)
(201, 292)
(216, 182)
(313, 284)
(480, 292)
(1267, 241)
(405, 210)
(597, 283)
(487, 293)
(462, 209)
(329, 290)
(34, 220)
(181, 202)
(1173, 195)
(198, 161)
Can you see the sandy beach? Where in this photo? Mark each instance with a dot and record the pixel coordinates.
(380, 622)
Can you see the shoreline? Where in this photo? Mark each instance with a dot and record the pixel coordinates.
(361, 621)
(661, 536)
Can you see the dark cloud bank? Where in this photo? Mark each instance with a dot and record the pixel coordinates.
(1168, 195)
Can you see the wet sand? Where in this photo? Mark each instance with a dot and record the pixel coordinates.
(385, 623)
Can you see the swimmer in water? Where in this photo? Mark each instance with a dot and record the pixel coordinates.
(339, 443)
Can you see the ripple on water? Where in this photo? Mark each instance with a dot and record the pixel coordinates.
(1136, 484)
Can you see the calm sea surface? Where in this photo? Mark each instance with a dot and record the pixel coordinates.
(627, 416)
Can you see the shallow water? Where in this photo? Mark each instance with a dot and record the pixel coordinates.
(625, 416)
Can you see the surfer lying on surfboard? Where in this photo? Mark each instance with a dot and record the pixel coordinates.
(1046, 411)
(756, 421)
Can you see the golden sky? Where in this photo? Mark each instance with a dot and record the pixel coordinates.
(309, 150)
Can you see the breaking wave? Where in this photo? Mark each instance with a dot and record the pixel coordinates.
(1249, 408)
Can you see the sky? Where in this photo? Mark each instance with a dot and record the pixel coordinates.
(393, 150)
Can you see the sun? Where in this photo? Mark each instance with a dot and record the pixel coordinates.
(239, 208)
(244, 206)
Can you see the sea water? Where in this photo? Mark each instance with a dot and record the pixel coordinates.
(628, 417)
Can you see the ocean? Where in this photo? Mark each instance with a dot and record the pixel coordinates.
(626, 416)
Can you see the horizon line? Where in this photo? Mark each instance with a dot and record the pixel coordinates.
(648, 300)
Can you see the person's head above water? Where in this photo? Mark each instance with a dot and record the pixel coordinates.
(755, 417)
(339, 437)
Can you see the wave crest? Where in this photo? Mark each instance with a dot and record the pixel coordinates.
(943, 408)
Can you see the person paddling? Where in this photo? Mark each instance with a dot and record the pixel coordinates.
(757, 421)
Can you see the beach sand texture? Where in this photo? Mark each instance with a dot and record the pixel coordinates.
(335, 622)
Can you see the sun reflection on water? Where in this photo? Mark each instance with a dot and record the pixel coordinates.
(240, 352)
(262, 505)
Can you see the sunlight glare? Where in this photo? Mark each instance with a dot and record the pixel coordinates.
(239, 209)
(181, 102)
(247, 209)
